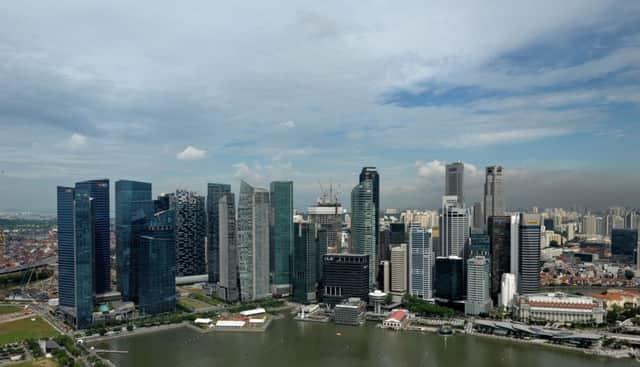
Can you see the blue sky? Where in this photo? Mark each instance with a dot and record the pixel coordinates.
(312, 91)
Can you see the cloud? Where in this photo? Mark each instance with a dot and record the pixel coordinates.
(191, 153)
(76, 142)
(478, 139)
(287, 124)
(430, 169)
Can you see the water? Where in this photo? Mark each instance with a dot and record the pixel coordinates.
(288, 343)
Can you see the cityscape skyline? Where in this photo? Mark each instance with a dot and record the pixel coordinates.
(315, 94)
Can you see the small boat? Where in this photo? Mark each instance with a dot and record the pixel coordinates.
(445, 330)
(339, 334)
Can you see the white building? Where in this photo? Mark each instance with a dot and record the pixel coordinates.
(478, 286)
(559, 307)
(507, 290)
(399, 268)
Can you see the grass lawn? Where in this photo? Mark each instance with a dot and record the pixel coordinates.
(22, 329)
(37, 363)
(191, 303)
(9, 309)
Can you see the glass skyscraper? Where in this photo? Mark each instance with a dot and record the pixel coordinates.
(190, 233)
(363, 217)
(421, 262)
(228, 283)
(214, 192)
(370, 173)
(281, 248)
(499, 230)
(529, 254)
(304, 262)
(66, 247)
(84, 255)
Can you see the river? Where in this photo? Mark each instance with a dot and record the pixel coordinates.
(288, 343)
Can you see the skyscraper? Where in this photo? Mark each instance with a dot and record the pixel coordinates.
(281, 247)
(399, 268)
(421, 262)
(478, 286)
(66, 246)
(98, 190)
(499, 230)
(478, 216)
(345, 275)
(328, 213)
(479, 243)
(190, 233)
(370, 173)
(529, 254)
(214, 192)
(493, 192)
(454, 230)
(253, 242)
(454, 181)
(449, 285)
(624, 244)
(228, 283)
(133, 207)
(304, 263)
(85, 255)
(363, 216)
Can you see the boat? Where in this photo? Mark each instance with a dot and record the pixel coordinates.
(445, 330)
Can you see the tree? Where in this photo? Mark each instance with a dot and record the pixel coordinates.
(629, 274)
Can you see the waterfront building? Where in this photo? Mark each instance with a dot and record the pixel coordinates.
(228, 283)
(328, 213)
(345, 276)
(377, 299)
(494, 204)
(454, 230)
(449, 285)
(478, 286)
(454, 181)
(350, 312)
(558, 307)
(363, 226)
(479, 243)
(85, 255)
(624, 244)
(282, 244)
(253, 242)
(421, 262)
(215, 191)
(529, 254)
(304, 263)
(370, 173)
(508, 287)
(502, 246)
(398, 319)
(133, 207)
(190, 233)
(399, 269)
(322, 240)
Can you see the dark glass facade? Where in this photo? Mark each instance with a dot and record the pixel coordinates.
(191, 223)
(345, 275)
(499, 230)
(281, 248)
(370, 173)
(66, 247)
(133, 207)
(624, 243)
(84, 256)
(449, 284)
(214, 192)
(304, 262)
(228, 285)
(480, 243)
(529, 254)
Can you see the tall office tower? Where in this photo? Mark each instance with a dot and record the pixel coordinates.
(304, 263)
(253, 242)
(449, 285)
(397, 233)
(479, 243)
(624, 244)
(549, 224)
(493, 193)
(190, 233)
(631, 220)
(454, 181)
(133, 207)
(322, 239)
(384, 247)
(478, 221)
(399, 268)
(155, 254)
(508, 289)
(345, 276)
(370, 173)
(589, 225)
(478, 286)
(363, 216)
(386, 276)
(529, 254)
(76, 254)
(454, 230)
(163, 202)
(99, 192)
(421, 261)
(214, 192)
(328, 213)
(281, 247)
(499, 230)
(228, 282)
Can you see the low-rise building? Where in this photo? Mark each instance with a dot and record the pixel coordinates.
(351, 312)
(558, 307)
(398, 319)
(619, 297)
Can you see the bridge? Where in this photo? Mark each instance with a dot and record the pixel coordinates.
(111, 351)
(52, 260)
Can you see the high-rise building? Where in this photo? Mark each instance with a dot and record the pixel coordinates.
(494, 204)
(529, 254)
(478, 221)
(624, 244)
(370, 173)
(322, 240)
(454, 181)
(133, 207)
(449, 285)
(99, 192)
(478, 286)
(399, 269)
(304, 263)
(345, 276)
(397, 232)
(499, 231)
(421, 262)
(228, 283)
(328, 213)
(454, 230)
(214, 192)
(155, 258)
(281, 248)
(253, 242)
(190, 233)
(479, 243)
(589, 225)
(363, 216)
(508, 289)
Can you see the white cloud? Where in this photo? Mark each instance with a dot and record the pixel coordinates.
(430, 169)
(76, 142)
(477, 139)
(191, 153)
(287, 124)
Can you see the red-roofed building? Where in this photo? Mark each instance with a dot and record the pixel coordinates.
(398, 319)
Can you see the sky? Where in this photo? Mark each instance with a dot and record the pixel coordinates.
(181, 94)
